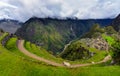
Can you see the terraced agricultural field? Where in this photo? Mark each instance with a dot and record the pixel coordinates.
(14, 63)
(43, 53)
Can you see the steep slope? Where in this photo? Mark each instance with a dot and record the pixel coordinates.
(116, 23)
(9, 25)
(53, 34)
(92, 43)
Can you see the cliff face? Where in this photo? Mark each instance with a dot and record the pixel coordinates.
(116, 23)
(53, 34)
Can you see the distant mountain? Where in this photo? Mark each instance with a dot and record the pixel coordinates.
(53, 34)
(116, 23)
(10, 25)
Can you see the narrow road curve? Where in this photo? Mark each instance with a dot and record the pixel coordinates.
(20, 44)
(107, 58)
(23, 50)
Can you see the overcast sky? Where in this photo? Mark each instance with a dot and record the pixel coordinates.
(82, 9)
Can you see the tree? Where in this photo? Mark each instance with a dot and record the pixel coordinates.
(116, 51)
(110, 30)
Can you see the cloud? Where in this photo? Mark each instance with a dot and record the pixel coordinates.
(82, 9)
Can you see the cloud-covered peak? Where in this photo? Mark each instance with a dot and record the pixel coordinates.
(82, 9)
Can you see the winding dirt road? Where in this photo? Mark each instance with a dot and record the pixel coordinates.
(20, 44)
(23, 50)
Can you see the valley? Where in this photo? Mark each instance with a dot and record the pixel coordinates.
(21, 64)
(87, 54)
(53, 34)
(59, 38)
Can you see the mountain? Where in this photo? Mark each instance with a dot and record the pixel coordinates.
(53, 34)
(96, 40)
(10, 25)
(116, 23)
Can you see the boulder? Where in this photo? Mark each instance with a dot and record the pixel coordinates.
(66, 64)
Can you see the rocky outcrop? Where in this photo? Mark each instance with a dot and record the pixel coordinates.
(98, 43)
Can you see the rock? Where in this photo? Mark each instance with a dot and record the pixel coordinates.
(112, 62)
(66, 64)
(98, 43)
(92, 54)
(93, 62)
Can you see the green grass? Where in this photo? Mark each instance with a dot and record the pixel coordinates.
(12, 64)
(100, 55)
(109, 39)
(2, 37)
(97, 71)
(41, 52)
(11, 45)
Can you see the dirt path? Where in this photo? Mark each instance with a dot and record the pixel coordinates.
(107, 58)
(23, 50)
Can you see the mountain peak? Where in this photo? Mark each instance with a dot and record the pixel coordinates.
(116, 23)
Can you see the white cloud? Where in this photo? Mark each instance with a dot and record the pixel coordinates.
(82, 9)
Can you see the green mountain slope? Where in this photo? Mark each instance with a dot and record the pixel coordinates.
(116, 23)
(15, 64)
(53, 34)
(96, 40)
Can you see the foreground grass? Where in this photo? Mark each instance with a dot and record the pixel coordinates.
(12, 64)
(11, 45)
(41, 52)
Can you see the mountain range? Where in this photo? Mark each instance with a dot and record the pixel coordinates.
(116, 23)
(10, 25)
(53, 34)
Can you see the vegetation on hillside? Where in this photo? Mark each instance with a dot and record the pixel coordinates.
(116, 52)
(50, 37)
(12, 64)
(41, 52)
(98, 38)
(53, 34)
(75, 51)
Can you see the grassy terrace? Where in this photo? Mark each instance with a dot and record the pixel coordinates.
(11, 45)
(43, 53)
(100, 55)
(12, 64)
